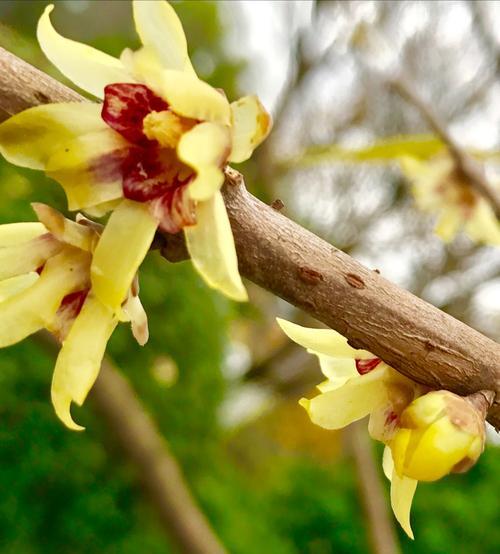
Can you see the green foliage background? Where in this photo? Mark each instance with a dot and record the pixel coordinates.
(64, 492)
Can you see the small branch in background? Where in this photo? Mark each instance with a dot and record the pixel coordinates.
(380, 522)
(158, 470)
(467, 167)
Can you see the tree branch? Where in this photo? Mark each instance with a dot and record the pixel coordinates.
(414, 337)
(468, 168)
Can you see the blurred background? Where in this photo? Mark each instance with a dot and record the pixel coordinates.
(219, 380)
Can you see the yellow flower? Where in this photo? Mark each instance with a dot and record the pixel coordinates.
(438, 188)
(359, 384)
(438, 433)
(45, 283)
(153, 152)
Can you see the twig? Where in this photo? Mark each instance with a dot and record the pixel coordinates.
(158, 470)
(417, 339)
(467, 167)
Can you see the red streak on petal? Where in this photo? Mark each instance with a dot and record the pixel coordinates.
(73, 302)
(125, 107)
(174, 210)
(365, 366)
(69, 308)
(391, 418)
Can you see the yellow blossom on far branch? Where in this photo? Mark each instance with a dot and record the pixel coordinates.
(427, 434)
(440, 189)
(45, 283)
(153, 152)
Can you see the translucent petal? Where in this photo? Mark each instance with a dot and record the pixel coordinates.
(19, 259)
(88, 68)
(14, 285)
(120, 251)
(31, 137)
(138, 318)
(356, 399)
(211, 247)
(190, 97)
(65, 230)
(250, 126)
(387, 463)
(80, 358)
(483, 225)
(33, 308)
(402, 492)
(449, 223)
(205, 149)
(322, 341)
(89, 168)
(12, 234)
(160, 29)
(337, 369)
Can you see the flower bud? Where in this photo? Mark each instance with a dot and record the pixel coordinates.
(439, 433)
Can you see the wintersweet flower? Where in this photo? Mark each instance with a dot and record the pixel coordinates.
(153, 152)
(440, 189)
(45, 283)
(359, 384)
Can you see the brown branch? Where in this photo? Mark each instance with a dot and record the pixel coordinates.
(470, 170)
(158, 470)
(414, 337)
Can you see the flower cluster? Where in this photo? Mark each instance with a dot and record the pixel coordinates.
(153, 154)
(439, 188)
(426, 434)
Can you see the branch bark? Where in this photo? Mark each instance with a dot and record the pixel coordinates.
(417, 339)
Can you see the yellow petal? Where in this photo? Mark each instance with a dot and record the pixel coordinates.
(12, 234)
(89, 168)
(483, 226)
(120, 251)
(86, 67)
(434, 454)
(250, 125)
(100, 210)
(33, 308)
(80, 358)
(65, 230)
(338, 370)
(402, 492)
(205, 149)
(19, 259)
(30, 138)
(211, 247)
(399, 446)
(449, 223)
(322, 341)
(135, 313)
(387, 463)
(14, 285)
(160, 29)
(338, 408)
(190, 97)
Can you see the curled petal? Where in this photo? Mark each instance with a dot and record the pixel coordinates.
(80, 358)
(322, 341)
(12, 234)
(33, 308)
(205, 149)
(135, 313)
(211, 247)
(121, 249)
(19, 259)
(88, 68)
(338, 408)
(160, 29)
(250, 126)
(337, 370)
(190, 97)
(402, 492)
(65, 230)
(31, 137)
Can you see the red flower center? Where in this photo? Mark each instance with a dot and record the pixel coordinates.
(365, 366)
(150, 169)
